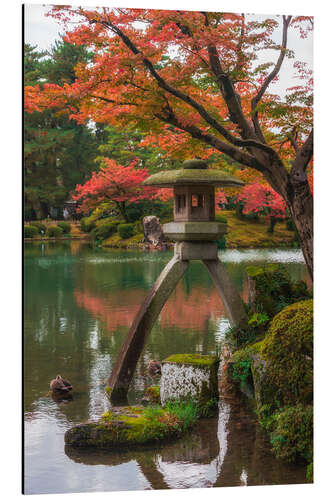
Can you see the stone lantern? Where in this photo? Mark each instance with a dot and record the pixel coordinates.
(195, 232)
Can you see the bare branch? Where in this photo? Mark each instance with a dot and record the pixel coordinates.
(277, 67)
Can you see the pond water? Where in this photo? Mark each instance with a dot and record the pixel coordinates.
(79, 304)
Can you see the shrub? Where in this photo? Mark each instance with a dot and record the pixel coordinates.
(288, 348)
(274, 289)
(292, 437)
(103, 231)
(65, 227)
(39, 225)
(106, 220)
(87, 224)
(222, 243)
(30, 231)
(138, 227)
(54, 232)
(125, 230)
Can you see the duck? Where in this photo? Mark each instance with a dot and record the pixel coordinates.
(154, 368)
(60, 384)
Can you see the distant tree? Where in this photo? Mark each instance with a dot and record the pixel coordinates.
(261, 199)
(116, 183)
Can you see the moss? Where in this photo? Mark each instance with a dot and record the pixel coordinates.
(170, 178)
(108, 390)
(192, 359)
(309, 473)
(292, 437)
(288, 348)
(133, 426)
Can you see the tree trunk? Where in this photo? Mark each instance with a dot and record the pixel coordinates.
(301, 209)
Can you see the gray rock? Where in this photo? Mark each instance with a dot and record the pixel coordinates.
(152, 230)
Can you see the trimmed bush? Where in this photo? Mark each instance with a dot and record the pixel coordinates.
(106, 220)
(54, 232)
(138, 227)
(39, 225)
(103, 231)
(87, 224)
(288, 348)
(125, 230)
(65, 227)
(30, 231)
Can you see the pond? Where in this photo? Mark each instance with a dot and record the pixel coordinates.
(79, 304)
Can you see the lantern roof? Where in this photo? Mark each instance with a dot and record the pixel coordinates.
(193, 172)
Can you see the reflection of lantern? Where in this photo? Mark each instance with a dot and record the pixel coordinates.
(195, 231)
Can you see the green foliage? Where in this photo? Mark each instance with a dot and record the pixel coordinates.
(39, 225)
(30, 231)
(258, 319)
(292, 437)
(309, 473)
(186, 412)
(222, 243)
(288, 348)
(65, 227)
(125, 230)
(138, 227)
(54, 232)
(209, 409)
(274, 288)
(87, 224)
(241, 365)
(103, 231)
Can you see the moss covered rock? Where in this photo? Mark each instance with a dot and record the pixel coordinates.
(288, 350)
(189, 376)
(292, 437)
(133, 425)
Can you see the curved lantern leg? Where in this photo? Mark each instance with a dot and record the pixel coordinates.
(228, 292)
(123, 371)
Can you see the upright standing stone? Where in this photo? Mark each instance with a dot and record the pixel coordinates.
(189, 376)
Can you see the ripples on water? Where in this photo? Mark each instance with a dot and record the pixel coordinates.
(79, 304)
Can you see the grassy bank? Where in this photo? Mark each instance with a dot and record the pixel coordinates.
(242, 233)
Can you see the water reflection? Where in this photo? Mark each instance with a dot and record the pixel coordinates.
(79, 303)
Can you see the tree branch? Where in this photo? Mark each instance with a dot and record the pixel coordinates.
(277, 67)
(303, 157)
(270, 77)
(168, 116)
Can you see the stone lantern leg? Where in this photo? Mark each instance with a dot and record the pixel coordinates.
(195, 231)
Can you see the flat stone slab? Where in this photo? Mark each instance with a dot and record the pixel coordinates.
(189, 376)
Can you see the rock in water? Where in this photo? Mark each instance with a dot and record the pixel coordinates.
(189, 376)
(59, 384)
(152, 230)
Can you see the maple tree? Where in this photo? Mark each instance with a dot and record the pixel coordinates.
(261, 199)
(191, 81)
(116, 183)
